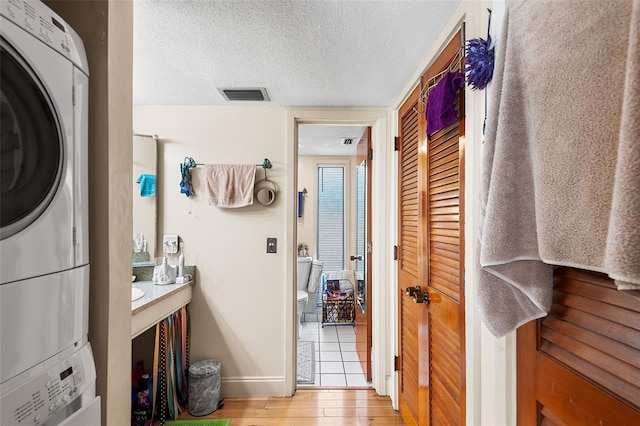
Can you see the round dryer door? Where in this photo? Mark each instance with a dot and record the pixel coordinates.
(31, 148)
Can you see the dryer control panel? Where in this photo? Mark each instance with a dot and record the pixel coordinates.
(36, 18)
(54, 393)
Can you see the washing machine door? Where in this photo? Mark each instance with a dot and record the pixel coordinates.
(36, 157)
(32, 148)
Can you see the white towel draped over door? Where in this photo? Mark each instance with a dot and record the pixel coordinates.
(230, 185)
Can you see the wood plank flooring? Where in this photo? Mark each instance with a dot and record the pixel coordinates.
(333, 407)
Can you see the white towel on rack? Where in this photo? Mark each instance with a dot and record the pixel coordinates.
(315, 276)
(230, 185)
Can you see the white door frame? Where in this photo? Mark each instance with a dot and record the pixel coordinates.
(382, 350)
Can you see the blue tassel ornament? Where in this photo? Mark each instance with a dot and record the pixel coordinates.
(186, 187)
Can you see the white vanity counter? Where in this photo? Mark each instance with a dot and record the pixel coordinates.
(158, 302)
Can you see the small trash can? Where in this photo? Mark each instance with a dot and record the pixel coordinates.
(204, 387)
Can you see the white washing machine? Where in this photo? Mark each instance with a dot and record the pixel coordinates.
(44, 247)
(60, 391)
(44, 210)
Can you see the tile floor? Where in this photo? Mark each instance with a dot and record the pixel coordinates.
(337, 362)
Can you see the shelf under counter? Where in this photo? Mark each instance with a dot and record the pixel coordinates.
(158, 302)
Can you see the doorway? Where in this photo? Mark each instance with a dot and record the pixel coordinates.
(334, 230)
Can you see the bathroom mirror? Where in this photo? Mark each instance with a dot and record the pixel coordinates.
(144, 190)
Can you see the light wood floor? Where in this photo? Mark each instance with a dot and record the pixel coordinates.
(311, 407)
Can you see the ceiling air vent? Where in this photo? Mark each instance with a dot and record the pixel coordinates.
(349, 141)
(258, 94)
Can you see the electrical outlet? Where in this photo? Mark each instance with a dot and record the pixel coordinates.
(170, 244)
(272, 245)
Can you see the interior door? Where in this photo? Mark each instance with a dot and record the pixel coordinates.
(580, 365)
(431, 278)
(444, 205)
(410, 253)
(363, 252)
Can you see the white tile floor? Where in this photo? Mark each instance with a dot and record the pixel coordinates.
(337, 362)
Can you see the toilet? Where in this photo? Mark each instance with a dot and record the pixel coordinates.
(304, 270)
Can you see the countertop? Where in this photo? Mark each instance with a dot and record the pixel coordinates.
(154, 293)
(158, 302)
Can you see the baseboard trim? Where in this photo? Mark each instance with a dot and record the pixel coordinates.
(253, 386)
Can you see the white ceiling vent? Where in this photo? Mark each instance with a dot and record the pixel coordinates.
(256, 94)
(349, 141)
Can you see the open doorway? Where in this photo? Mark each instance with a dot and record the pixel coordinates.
(334, 266)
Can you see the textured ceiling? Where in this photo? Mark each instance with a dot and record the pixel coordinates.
(315, 139)
(306, 53)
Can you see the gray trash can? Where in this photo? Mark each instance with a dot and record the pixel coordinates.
(204, 387)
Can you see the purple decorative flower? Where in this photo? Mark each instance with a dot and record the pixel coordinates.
(479, 62)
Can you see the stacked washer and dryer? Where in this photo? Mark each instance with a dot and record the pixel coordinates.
(47, 371)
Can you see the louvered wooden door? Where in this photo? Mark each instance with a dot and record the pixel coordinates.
(410, 259)
(580, 365)
(432, 351)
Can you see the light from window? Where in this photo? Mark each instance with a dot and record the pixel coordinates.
(330, 238)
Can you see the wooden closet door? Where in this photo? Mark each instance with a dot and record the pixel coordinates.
(363, 320)
(580, 365)
(410, 255)
(444, 227)
(432, 352)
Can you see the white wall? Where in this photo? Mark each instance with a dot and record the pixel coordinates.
(238, 308)
(106, 28)
(243, 304)
(306, 223)
(307, 178)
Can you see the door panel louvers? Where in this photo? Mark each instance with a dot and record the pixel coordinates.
(594, 330)
(409, 193)
(410, 351)
(444, 211)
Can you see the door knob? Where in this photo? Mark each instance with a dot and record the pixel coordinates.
(421, 297)
(410, 291)
(356, 257)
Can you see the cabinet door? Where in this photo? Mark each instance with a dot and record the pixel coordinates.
(580, 365)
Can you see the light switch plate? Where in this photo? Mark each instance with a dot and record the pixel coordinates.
(272, 245)
(170, 244)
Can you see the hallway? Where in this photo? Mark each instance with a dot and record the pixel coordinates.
(346, 407)
(336, 360)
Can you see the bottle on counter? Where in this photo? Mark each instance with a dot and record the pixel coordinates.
(181, 263)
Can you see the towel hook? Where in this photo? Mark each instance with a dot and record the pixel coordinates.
(266, 164)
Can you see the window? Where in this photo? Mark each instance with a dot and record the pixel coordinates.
(331, 217)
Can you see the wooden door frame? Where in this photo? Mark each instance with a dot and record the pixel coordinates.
(377, 120)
